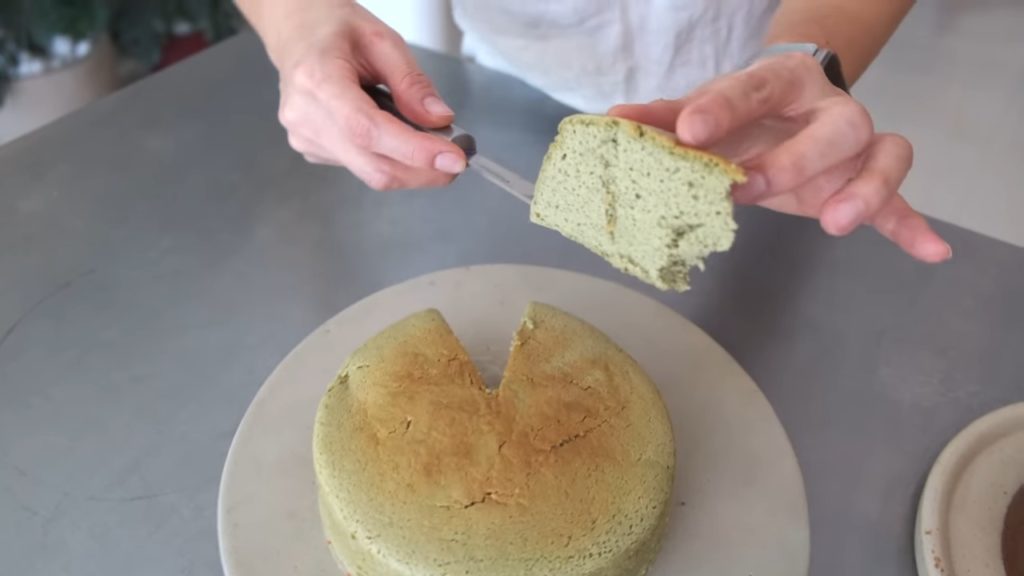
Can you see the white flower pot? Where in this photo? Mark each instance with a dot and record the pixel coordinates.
(38, 100)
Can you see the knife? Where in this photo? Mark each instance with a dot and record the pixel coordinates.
(492, 171)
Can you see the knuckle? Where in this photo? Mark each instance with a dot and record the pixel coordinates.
(380, 179)
(884, 222)
(784, 172)
(412, 156)
(876, 189)
(359, 129)
(716, 104)
(296, 142)
(307, 75)
(901, 146)
(858, 120)
(419, 154)
(808, 203)
(287, 114)
(759, 89)
(415, 81)
(909, 150)
(378, 36)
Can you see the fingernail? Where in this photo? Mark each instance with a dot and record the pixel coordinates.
(437, 107)
(697, 129)
(848, 214)
(449, 162)
(936, 252)
(755, 187)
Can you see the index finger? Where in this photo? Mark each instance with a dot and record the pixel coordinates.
(362, 125)
(775, 86)
(909, 230)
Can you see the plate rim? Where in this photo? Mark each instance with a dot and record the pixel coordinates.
(955, 457)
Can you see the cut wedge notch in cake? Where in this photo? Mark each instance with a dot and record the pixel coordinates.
(566, 468)
(632, 194)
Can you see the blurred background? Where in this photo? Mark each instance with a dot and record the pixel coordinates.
(951, 80)
(58, 55)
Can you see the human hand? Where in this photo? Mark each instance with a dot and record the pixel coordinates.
(324, 61)
(808, 147)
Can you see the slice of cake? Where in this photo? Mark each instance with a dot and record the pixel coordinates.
(636, 197)
(566, 468)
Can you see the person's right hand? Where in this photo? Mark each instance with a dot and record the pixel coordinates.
(324, 60)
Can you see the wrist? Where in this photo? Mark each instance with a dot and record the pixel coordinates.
(826, 58)
(287, 30)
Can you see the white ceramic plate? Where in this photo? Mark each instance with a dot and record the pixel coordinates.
(745, 511)
(963, 506)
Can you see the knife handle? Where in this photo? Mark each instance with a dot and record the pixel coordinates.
(464, 140)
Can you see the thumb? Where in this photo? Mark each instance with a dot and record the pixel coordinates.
(412, 90)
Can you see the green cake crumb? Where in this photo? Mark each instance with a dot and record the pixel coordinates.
(633, 195)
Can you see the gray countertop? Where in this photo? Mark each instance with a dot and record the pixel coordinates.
(162, 250)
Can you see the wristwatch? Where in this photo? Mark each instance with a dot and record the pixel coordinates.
(828, 59)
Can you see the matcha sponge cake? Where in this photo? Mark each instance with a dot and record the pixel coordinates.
(635, 196)
(565, 469)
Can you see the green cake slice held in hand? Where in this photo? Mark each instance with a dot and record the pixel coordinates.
(631, 193)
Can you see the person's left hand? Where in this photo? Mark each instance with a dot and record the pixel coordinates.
(808, 148)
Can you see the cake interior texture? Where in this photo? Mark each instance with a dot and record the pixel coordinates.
(632, 194)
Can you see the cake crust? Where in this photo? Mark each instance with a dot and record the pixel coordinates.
(566, 468)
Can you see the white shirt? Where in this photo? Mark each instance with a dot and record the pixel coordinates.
(592, 54)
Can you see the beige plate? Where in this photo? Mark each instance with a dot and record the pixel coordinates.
(960, 517)
(745, 510)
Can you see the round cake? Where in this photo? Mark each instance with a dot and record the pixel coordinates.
(566, 468)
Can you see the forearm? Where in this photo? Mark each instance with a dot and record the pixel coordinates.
(276, 21)
(856, 30)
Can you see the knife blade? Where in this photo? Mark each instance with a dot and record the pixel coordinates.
(506, 179)
(490, 170)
